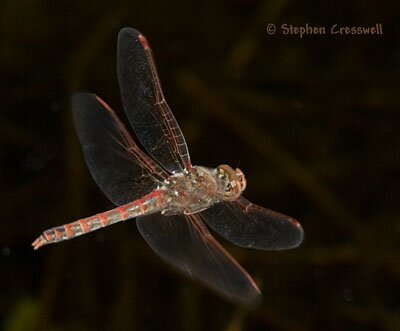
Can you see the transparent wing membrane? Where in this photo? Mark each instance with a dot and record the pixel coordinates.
(144, 103)
(248, 225)
(122, 171)
(185, 242)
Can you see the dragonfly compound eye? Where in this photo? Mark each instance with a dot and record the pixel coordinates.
(231, 184)
(242, 179)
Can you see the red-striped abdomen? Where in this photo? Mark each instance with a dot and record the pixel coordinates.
(150, 203)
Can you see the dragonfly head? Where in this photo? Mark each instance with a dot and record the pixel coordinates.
(231, 183)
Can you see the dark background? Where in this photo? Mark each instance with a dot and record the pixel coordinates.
(313, 123)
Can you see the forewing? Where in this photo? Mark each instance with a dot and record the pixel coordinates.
(144, 103)
(186, 243)
(248, 225)
(121, 170)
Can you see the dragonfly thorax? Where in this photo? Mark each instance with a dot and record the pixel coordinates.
(191, 191)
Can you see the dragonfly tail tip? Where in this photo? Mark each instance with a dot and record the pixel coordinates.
(39, 242)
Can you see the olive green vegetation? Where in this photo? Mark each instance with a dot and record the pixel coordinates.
(313, 123)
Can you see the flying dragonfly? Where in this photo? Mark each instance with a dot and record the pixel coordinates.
(170, 198)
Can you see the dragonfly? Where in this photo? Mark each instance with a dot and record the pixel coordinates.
(156, 184)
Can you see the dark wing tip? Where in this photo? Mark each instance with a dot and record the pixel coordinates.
(82, 97)
(298, 233)
(127, 32)
(82, 100)
(254, 302)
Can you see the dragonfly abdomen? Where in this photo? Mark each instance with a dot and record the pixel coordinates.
(150, 203)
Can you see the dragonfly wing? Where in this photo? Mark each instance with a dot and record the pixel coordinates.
(122, 171)
(186, 243)
(248, 225)
(144, 103)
